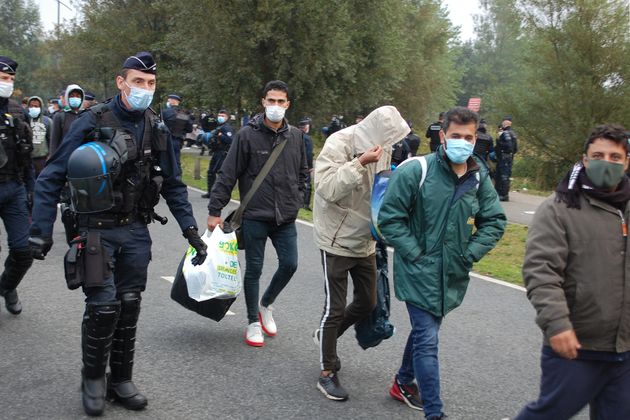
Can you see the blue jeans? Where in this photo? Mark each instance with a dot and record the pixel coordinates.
(284, 240)
(14, 214)
(420, 359)
(566, 386)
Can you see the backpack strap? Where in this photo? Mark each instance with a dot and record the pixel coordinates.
(423, 164)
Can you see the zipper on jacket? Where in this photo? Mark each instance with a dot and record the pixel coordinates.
(624, 225)
(332, 243)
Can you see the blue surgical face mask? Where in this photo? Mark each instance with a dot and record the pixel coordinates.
(458, 150)
(34, 112)
(74, 102)
(139, 99)
(221, 120)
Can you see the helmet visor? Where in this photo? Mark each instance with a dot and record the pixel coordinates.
(91, 195)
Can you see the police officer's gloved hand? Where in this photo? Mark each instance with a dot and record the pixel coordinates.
(196, 242)
(40, 245)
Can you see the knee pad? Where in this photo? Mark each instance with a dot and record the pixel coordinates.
(103, 314)
(129, 307)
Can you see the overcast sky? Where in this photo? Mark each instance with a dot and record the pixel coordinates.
(461, 12)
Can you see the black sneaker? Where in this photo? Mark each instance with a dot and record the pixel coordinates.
(331, 388)
(438, 417)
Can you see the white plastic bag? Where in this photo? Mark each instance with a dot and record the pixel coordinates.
(219, 277)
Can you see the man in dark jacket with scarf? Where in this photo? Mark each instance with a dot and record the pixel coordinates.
(273, 209)
(577, 274)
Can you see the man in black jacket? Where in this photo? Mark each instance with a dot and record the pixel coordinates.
(506, 148)
(433, 133)
(273, 209)
(63, 119)
(179, 124)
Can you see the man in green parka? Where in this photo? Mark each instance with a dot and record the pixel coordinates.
(431, 229)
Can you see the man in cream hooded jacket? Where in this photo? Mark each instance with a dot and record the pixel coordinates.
(344, 174)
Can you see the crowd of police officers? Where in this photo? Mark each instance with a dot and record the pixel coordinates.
(108, 164)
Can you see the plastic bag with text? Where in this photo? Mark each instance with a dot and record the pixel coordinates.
(219, 277)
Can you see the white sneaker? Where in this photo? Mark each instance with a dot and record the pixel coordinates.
(266, 320)
(254, 336)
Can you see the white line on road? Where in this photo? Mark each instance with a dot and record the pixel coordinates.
(479, 276)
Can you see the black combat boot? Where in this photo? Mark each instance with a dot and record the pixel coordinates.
(97, 332)
(15, 267)
(120, 388)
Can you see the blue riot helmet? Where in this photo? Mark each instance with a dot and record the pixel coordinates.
(92, 169)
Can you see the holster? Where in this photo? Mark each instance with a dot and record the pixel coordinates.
(87, 263)
(73, 266)
(96, 261)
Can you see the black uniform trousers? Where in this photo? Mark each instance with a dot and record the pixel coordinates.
(129, 248)
(503, 174)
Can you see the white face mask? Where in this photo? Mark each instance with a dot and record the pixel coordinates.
(6, 89)
(275, 113)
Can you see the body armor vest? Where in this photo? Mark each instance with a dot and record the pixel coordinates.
(137, 187)
(178, 127)
(16, 143)
(507, 142)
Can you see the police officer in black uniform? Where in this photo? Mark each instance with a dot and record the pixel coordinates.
(178, 122)
(305, 126)
(433, 133)
(505, 149)
(117, 159)
(219, 144)
(208, 122)
(15, 169)
(412, 140)
(485, 143)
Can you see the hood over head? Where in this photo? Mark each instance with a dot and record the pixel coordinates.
(384, 126)
(41, 102)
(71, 88)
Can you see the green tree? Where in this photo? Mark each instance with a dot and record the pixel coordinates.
(491, 61)
(20, 32)
(577, 76)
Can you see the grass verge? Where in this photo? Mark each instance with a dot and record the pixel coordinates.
(503, 262)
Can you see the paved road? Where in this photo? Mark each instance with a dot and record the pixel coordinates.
(194, 368)
(521, 207)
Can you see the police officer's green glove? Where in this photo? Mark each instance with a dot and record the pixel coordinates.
(196, 242)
